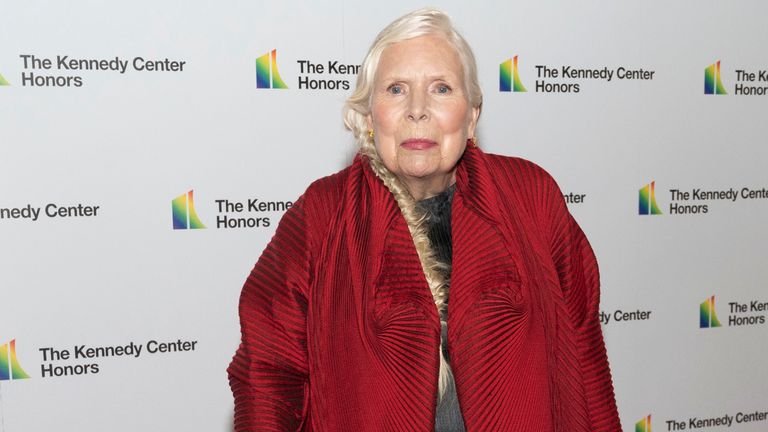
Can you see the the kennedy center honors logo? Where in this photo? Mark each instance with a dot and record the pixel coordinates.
(647, 200)
(267, 76)
(183, 211)
(707, 315)
(509, 78)
(713, 85)
(10, 369)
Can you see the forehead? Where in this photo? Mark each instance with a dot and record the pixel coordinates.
(421, 56)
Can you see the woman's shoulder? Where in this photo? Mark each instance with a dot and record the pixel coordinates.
(323, 197)
(528, 188)
(329, 190)
(518, 172)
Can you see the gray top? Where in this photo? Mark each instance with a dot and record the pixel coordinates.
(448, 417)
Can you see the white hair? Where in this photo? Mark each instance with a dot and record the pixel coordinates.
(417, 23)
(421, 22)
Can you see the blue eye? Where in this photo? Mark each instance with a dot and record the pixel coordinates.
(443, 89)
(395, 89)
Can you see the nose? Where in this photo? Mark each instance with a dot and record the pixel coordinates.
(417, 107)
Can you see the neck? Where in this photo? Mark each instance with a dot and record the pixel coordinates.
(423, 188)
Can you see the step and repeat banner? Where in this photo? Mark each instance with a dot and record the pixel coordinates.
(149, 150)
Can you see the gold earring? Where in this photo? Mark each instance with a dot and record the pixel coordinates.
(370, 133)
(472, 142)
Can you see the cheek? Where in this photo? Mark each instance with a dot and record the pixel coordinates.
(386, 125)
(383, 126)
(454, 118)
(384, 118)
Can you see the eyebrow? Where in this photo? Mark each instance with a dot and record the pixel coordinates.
(397, 78)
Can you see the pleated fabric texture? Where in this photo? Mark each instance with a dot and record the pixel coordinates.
(340, 333)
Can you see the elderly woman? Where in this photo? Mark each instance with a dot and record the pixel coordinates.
(346, 324)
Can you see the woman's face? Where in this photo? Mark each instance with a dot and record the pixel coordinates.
(420, 113)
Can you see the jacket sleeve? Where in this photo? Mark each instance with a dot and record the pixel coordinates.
(577, 270)
(269, 372)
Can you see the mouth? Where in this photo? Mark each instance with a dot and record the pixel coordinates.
(418, 144)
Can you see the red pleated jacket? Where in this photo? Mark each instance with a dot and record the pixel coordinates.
(340, 332)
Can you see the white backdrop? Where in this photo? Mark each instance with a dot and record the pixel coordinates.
(119, 277)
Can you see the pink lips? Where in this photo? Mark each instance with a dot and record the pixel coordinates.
(418, 144)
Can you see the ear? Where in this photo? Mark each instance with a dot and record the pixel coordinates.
(369, 121)
(474, 115)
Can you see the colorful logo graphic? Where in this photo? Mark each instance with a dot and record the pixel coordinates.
(647, 200)
(267, 75)
(509, 78)
(707, 315)
(10, 369)
(712, 82)
(184, 214)
(3, 81)
(644, 425)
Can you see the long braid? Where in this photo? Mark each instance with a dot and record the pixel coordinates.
(432, 267)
